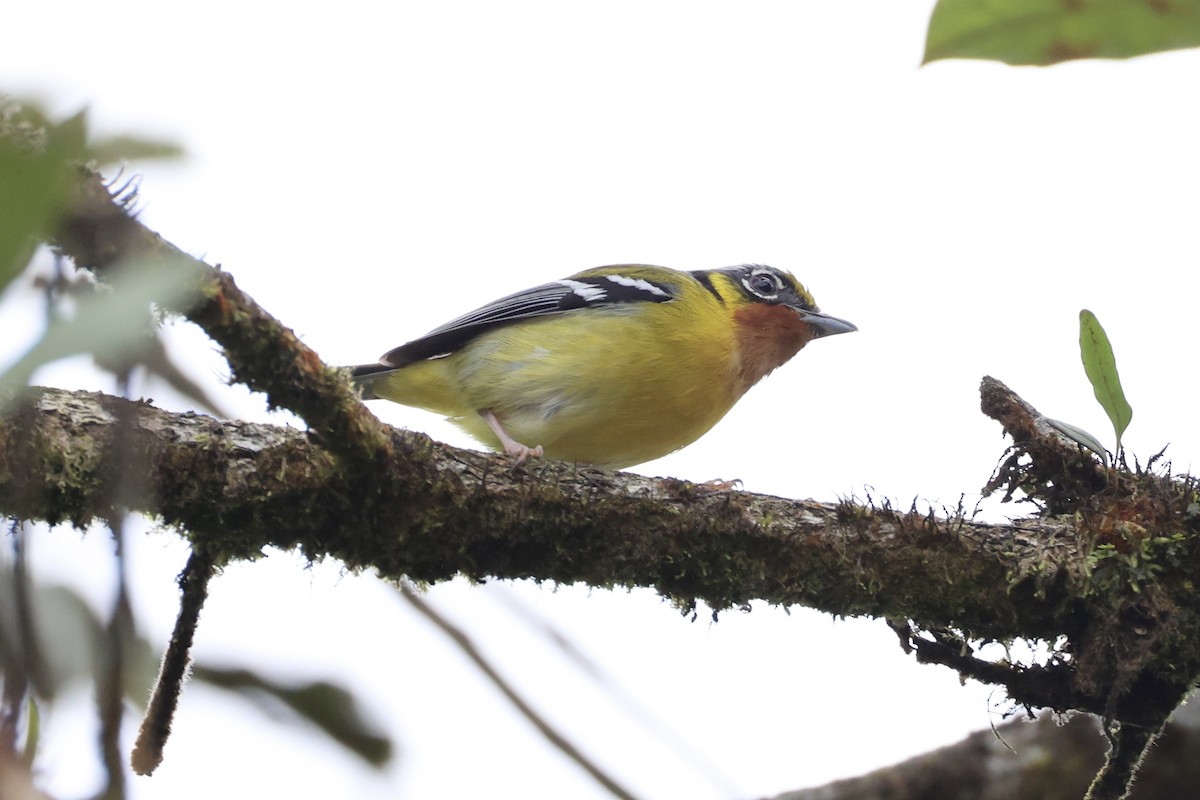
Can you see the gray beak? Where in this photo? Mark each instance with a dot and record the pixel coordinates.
(825, 325)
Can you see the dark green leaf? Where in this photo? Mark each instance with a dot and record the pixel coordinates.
(1101, 367)
(1045, 32)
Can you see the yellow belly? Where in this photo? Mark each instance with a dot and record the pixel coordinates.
(608, 388)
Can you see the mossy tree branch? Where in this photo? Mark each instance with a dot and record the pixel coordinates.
(438, 511)
(237, 487)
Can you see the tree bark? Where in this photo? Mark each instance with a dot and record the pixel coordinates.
(436, 511)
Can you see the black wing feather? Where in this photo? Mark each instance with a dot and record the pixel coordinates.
(550, 299)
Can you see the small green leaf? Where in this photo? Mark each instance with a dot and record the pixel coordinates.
(1101, 368)
(1046, 32)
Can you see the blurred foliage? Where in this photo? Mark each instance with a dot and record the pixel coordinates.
(113, 321)
(38, 158)
(109, 321)
(69, 639)
(33, 731)
(36, 162)
(131, 148)
(50, 637)
(329, 707)
(1101, 367)
(1043, 32)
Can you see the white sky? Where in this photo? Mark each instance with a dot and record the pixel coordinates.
(367, 173)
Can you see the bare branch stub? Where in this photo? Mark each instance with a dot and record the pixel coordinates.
(1053, 471)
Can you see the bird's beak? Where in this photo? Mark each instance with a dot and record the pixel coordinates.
(825, 325)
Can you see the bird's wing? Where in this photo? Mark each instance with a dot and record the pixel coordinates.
(587, 290)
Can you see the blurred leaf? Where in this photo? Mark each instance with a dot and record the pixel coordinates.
(129, 148)
(37, 161)
(110, 323)
(33, 731)
(35, 172)
(70, 633)
(23, 123)
(1101, 367)
(331, 708)
(1043, 32)
(66, 630)
(152, 356)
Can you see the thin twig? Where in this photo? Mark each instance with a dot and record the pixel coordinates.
(156, 724)
(616, 693)
(464, 643)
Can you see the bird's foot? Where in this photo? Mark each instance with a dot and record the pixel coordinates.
(522, 452)
(511, 445)
(716, 485)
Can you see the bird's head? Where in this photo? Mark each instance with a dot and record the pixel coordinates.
(769, 286)
(774, 316)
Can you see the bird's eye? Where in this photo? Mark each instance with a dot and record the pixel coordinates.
(764, 284)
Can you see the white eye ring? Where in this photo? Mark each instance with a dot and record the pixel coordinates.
(763, 284)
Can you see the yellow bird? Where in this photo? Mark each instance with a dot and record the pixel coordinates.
(612, 366)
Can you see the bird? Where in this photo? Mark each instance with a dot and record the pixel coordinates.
(612, 366)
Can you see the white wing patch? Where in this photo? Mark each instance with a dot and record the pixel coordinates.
(637, 283)
(587, 291)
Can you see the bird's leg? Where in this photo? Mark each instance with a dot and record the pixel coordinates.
(511, 445)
